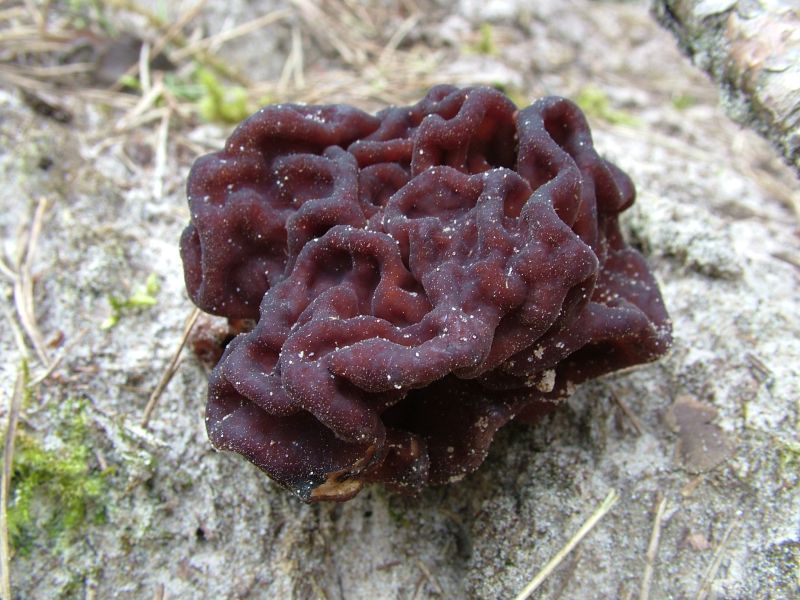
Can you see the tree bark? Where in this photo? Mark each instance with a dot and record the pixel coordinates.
(752, 50)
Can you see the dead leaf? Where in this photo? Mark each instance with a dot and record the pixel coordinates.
(695, 541)
(702, 445)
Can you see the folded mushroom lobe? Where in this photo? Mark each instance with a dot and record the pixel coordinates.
(420, 278)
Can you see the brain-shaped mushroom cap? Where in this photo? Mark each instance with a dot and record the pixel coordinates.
(419, 278)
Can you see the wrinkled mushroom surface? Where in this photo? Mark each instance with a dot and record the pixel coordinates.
(419, 278)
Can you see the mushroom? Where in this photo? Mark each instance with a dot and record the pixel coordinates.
(419, 278)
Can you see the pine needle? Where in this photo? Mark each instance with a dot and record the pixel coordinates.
(172, 367)
(551, 566)
(652, 550)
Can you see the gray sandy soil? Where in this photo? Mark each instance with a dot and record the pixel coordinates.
(712, 429)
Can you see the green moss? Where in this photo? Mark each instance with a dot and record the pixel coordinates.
(228, 105)
(54, 491)
(595, 103)
(190, 91)
(395, 507)
(486, 43)
(514, 94)
(85, 13)
(212, 99)
(683, 101)
(789, 462)
(142, 297)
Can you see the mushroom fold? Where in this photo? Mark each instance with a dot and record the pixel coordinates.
(418, 279)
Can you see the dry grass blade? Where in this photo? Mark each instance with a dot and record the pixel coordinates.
(145, 103)
(159, 594)
(30, 39)
(173, 33)
(637, 424)
(57, 71)
(31, 46)
(551, 566)
(351, 48)
(172, 367)
(711, 572)
(418, 588)
(113, 99)
(17, 77)
(652, 550)
(321, 593)
(19, 337)
(6, 271)
(35, 14)
(175, 36)
(21, 389)
(20, 78)
(40, 377)
(217, 40)
(293, 67)
(23, 286)
(429, 576)
(361, 12)
(397, 38)
(153, 20)
(144, 68)
(161, 155)
(13, 12)
(175, 29)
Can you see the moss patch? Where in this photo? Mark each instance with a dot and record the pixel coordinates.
(142, 297)
(595, 103)
(221, 104)
(55, 491)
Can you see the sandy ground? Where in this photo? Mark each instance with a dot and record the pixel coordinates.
(711, 430)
